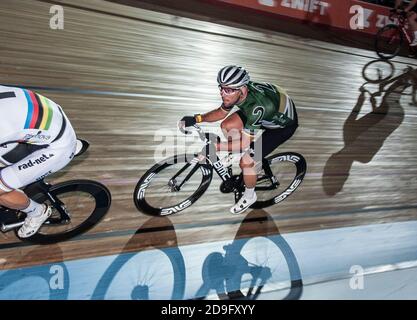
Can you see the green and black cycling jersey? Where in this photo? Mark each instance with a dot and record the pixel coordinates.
(266, 106)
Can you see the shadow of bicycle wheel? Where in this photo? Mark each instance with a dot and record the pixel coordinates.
(140, 273)
(258, 261)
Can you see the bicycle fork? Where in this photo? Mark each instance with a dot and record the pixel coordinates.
(56, 203)
(172, 183)
(223, 172)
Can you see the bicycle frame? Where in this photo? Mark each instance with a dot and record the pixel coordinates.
(401, 20)
(406, 34)
(231, 183)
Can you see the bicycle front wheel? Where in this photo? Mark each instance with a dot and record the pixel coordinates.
(388, 41)
(288, 170)
(86, 202)
(172, 185)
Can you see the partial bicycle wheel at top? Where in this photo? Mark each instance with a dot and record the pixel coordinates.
(172, 185)
(388, 41)
(288, 171)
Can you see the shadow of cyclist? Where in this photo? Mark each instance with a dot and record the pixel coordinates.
(156, 233)
(364, 137)
(41, 282)
(227, 273)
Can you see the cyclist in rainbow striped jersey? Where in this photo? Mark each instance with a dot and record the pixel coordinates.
(36, 140)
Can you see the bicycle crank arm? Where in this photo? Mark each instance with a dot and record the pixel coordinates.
(8, 227)
(59, 206)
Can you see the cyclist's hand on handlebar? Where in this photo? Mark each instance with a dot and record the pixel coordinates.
(187, 121)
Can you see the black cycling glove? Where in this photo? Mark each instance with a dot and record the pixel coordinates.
(189, 121)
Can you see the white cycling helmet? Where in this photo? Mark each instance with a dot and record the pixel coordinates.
(232, 77)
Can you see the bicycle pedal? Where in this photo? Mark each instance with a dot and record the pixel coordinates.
(238, 195)
(8, 227)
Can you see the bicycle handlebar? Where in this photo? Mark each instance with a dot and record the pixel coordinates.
(205, 137)
(197, 128)
(183, 130)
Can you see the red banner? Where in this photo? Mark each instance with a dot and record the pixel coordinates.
(345, 14)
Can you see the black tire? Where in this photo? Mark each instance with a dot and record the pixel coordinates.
(101, 200)
(388, 41)
(297, 167)
(144, 205)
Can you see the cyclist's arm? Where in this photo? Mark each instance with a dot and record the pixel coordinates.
(215, 115)
(398, 3)
(236, 145)
(411, 5)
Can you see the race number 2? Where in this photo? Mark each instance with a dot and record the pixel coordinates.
(258, 111)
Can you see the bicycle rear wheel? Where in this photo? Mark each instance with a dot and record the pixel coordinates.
(288, 171)
(172, 185)
(388, 41)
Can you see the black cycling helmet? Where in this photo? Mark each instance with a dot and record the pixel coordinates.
(232, 77)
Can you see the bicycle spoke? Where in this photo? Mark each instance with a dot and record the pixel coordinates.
(173, 184)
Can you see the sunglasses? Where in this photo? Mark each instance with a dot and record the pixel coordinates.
(227, 90)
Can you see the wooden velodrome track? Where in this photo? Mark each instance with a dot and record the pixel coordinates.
(121, 73)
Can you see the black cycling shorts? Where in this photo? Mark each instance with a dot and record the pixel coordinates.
(270, 140)
(273, 138)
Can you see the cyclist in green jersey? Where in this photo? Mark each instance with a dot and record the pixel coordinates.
(263, 107)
